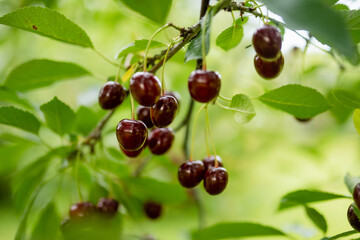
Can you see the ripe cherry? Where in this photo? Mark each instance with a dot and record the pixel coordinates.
(131, 134)
(267, 42)
(143, 114)
(160, 140)
(82, 209)
(191, 173)
(209, 162)
(176, 95)
(215, 180)
(111, 95)
(136, 153)
(356, 194)
(107, 207)
(152, 209)
(163, 111)
(269, 69)
(204, 86)
(145, 87)
(352, 218)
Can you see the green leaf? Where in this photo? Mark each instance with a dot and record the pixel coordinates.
(317, 218)
(47, 227)
(155, 10)
(18, 118)
(162, 192)
(344, 234)
(299, 101)
(48, 23)
(59, 116)
(352, 20)
(346, 98)
(351, 182)
(339, 7)
(242, 107)
(7, 95)
(302, 197)
(42, 72)
(138, 46)
(356, 120)
(236, 230)
(338, 110)
(86, 120)
(231, 37)
(318, 18)
(195, 49)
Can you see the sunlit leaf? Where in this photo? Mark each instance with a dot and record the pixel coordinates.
(47, 227)
(356, 120)
(346, 98)
(242, 107)
(231, 37)
(18, 118)
(317, 218)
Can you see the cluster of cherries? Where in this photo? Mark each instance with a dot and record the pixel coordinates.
(204, 87)
(351, 215)
(268, 60)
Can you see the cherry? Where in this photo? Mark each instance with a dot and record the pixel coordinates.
(191, 173)
(111, 95)
(353, 219)
(107, 206)
(143, 114)
(269, 69)
(209, 162)
(145, 87)
(267, 42)
(204, 86)
(176, 95)
(81, 209)
(152, 209)
(356, 194)
(131, 134)
(215, 180)
(303, 120)
(160, 140)
(134, 154)
(163, 111)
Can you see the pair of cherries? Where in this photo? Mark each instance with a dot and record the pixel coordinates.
(105, 207)
(191, 173)
(351, 215)
(269, 60)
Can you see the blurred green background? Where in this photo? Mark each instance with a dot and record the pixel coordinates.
(266, 158)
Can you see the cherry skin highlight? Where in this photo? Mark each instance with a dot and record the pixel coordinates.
(267, 42)
(107, 207)
(215, 180)
(204, 86)
(269, 70)
(160, 140)
(131, 134)
(176, 95)
(143, 114)
(82, 210)
(356, 194)
(191, 173)
(145, 87)
(209, 162)
(164, 111)
(111, 95)
(136, 153)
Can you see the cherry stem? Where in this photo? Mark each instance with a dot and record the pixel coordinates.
(233, 17)
(132, 107)
(148, 45)
(207, 140)
(210, 135)
(203, 42)
(193, 132)
(163, 70)
(106, 59)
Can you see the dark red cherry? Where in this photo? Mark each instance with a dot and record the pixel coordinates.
(215, 180)
(82, 209)
(352, 218)
(111, 95)
(269, 70)
(204, 86)
(191, 173)
(143, 114)
(152, 209)
(267, 42)
(356, 194)
(176, 95)
(107, 206)
(209, 162)
(136, 153)
(164, 111)
(145, 87)
(131, 134)
(160, 140)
